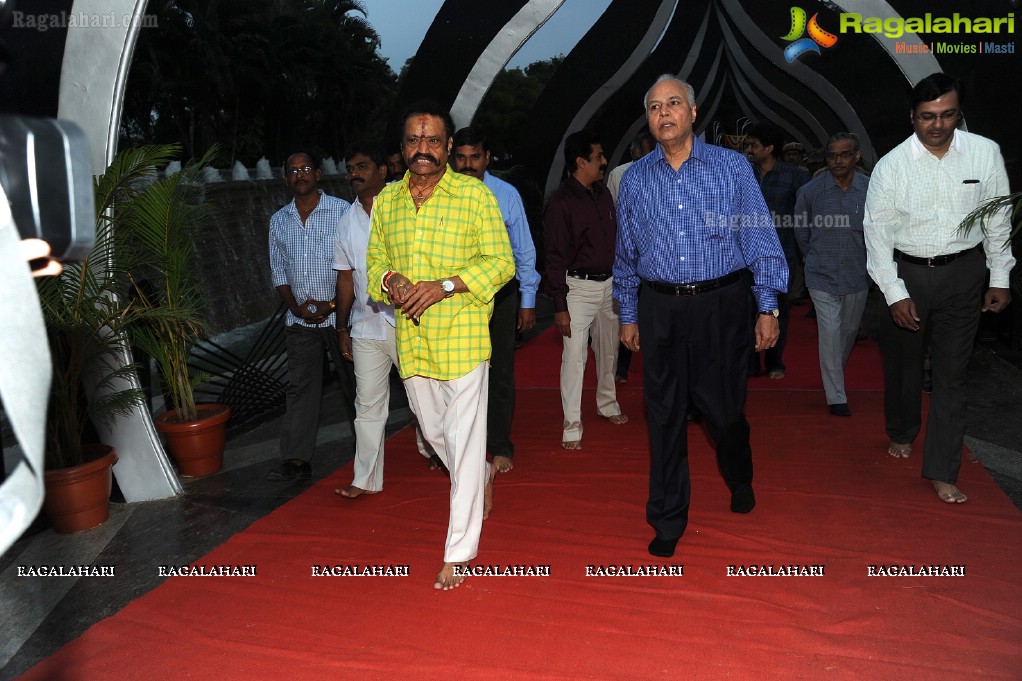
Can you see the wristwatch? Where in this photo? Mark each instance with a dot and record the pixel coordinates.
(448, 286)
(773, 313)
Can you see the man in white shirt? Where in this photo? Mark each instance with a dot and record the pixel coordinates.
(932, 273)
(365, 326)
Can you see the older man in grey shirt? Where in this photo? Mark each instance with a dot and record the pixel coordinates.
(829, 212)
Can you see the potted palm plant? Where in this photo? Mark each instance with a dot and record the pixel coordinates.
(85, 321)
(157, 231)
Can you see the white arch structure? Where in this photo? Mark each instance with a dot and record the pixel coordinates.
(92, 81)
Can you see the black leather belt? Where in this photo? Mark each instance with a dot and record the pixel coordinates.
(575, 274)
(935, 261)
(696, 287)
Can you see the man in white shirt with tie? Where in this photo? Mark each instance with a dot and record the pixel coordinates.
(932, 273)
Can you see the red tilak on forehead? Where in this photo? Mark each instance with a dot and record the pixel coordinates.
(422, 125)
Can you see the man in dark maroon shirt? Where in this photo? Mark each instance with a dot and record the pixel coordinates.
(580, 233)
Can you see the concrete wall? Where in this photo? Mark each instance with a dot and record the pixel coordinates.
(234, 256)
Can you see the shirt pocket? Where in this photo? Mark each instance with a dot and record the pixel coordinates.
(449, 248)
(965, 197)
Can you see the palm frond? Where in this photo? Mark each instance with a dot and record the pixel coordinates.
(996, 210)
(158, 231)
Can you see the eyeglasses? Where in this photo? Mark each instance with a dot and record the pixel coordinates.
(842, 155)
(946, 116)
(303, 169)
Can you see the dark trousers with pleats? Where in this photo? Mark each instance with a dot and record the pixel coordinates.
(948, 301)
(503, 330)
(306, 350)
(694, 348)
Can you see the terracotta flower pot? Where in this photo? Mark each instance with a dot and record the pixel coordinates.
(197, 446)
(78, 498)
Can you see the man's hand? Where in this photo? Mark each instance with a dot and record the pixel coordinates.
(526, 319)
(399, 287)
(629, 335)
(344, 340)
(904, 314)
(421, 296)
(562, 320)
(767, 331)
(37, 253)
(996, 299)
(314, 311)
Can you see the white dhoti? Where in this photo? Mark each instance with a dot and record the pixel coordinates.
(452, 416)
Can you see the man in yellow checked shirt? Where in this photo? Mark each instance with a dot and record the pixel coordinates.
(439, 249)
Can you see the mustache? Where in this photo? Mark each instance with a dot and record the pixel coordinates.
(426, 157)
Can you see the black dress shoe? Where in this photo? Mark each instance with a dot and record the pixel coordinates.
(743, 501)
(294, 469)
(664, 548)
(840, 409)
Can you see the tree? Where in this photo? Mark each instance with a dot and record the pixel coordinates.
(259, 77)
(504, 109)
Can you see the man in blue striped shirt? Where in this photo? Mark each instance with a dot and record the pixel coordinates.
(301, 263)
(691, 220)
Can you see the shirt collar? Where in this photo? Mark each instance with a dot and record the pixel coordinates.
(294, 206)
(446, 183)
(918, 149)
(699, 149)
(857, 180)
(579, 189)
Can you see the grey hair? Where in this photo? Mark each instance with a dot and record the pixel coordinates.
(689, 90)
(840, 137)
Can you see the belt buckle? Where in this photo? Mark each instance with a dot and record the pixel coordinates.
(688, 290)
(930, 262)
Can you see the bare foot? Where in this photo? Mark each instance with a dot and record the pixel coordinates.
(572, 444)
(435, 464)
(488, 492)
(448, 578)
(776, 373)
(618, 419)
(948, 492)
(352, 492)
(503, 464)
(899, 450)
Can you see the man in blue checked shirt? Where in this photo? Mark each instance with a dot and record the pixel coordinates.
(692, 220)
(301, 263)
(829, 213)
(471, 156)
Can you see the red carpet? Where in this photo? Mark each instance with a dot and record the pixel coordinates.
(828, 494)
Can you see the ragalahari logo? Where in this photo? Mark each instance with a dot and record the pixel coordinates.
(817, 36)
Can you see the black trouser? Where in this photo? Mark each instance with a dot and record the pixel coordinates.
(694, 347)
(773, 357)
(503, 331)
(948, 301)
(305, 351)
